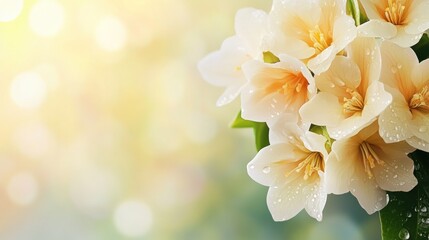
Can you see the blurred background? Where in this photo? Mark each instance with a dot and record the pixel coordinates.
(107, 130)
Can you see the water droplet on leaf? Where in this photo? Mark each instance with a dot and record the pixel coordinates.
(404, 234)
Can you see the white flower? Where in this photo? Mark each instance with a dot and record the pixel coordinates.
(351, 96)
(313, 31)
(407, 118)
(400, 21)
(292, 167)
(223, 67)
(275, 89)
(367, 167)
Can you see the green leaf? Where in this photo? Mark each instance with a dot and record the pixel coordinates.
(353, 10)
(422, 48)
(321, 130)
(260, 130)
(269, 57)
(407, 214)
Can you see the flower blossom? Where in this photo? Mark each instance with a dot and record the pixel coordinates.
(367, 167)
(275, 89)
(407, 118)
(293, 169)
(351, 96)
(313, 31)
(223, 67)
(400, 21)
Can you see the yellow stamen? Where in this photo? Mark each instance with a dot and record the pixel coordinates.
(312, 163)
(394, 12)
(353, 104)
(420, 100)
(320, 41)
(369, 158)
(289, 85)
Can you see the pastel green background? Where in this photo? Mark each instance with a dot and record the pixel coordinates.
(118, 137)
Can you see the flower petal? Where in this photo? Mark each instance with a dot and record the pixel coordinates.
(371, 8)
(316, 199)
(368, 194)
(250, 25)
(377, 28)
(397, 67)
(272, 162)
(420, 125)
(317, 112)
(395, 121)
(344, 32)
(396, 174)
(322, 61)
(339, 169)
(419, 18)
(286, 201)
(343, 73)
(405, 39)
(418, 143)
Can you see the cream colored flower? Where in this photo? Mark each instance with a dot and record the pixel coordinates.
(351, 96)
(223, 67)
(293, 169)
(367, 167)
(275, 89)
(400, 21)
(313, 31)
(407, 118)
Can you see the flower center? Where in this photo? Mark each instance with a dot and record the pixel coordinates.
(394, 11)
(311, 164)
(420, 100)
(320, 41)
(289, 85)
(369, 158)
(354, 103)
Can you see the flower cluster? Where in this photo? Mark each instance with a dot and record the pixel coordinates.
(311, 64)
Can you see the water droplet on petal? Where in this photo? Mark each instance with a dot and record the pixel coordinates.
(266, 170)
(252, 166)
(423, 129)
(368, 51)
(395, 176)
(404, 234)
(394, 69)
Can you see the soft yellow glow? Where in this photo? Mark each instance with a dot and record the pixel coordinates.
(111, 34)
(22, 189)
(46, 18)
(34, 140)
(28, 90)
(10, 9)
(133, 218)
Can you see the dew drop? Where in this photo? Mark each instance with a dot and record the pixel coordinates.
(367, 51)
(395, 176)
(402, 183)
(252, 166)
(394, 69)
(423, 129)
(404, 234)
(339, 82)
(399, 66)
(332, 85)
(266, 170)
(409, 214)
(423, 209)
